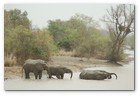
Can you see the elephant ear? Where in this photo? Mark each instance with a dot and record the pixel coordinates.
(39, 66)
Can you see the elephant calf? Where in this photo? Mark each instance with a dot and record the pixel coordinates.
(96, 75)
(58, 71)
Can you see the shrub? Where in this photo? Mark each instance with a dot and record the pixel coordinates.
(92, 45)
(9, 61)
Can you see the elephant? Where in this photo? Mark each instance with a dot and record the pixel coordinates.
(58, 71)
(34, 66)
(96, 75)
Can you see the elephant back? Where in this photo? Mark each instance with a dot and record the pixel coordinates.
(33, 65)
(93, 74)
(55, 70)
(37, 61)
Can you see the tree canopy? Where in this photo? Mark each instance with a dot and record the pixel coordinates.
(120, 22)
(80, 34)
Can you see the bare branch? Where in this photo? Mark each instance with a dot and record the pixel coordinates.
(120, 22)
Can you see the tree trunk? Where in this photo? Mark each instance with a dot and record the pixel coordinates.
(115, 53)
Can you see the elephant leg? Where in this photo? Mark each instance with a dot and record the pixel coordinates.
(36, 75)
(40, 75)
(27, 75)
(62, 76)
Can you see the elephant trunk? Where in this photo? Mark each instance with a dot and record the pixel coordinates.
(47, 69)
(71, 74)
(115, 75)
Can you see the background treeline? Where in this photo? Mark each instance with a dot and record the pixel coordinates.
(80, 35)
(22, 42)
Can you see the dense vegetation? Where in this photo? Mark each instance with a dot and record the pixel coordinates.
(80, 34)
(23, 42)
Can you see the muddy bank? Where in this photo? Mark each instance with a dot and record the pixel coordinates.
(73, 63)
(125, 74)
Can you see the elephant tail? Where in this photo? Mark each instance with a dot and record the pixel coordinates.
(115, 75)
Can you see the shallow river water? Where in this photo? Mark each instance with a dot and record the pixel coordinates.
(125, 81)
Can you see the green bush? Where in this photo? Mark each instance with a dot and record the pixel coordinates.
(92, 45)
(44, 46)
(25, 44)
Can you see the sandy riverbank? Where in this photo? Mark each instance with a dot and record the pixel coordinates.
(125, 74)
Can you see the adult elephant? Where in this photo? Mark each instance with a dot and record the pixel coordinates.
(34, 66)
(58, 71)
(96, 75)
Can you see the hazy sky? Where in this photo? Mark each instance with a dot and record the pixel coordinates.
(39, 14)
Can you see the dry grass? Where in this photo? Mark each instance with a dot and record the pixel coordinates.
(9, 61)
(101, 55)
(10, 72)
(65, 53)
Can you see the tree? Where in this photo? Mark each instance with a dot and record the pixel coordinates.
(120, 22)
(16, 33)
(88, 39)
(14, 18)
(43, 45)
(63, 34)
(23, 42)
